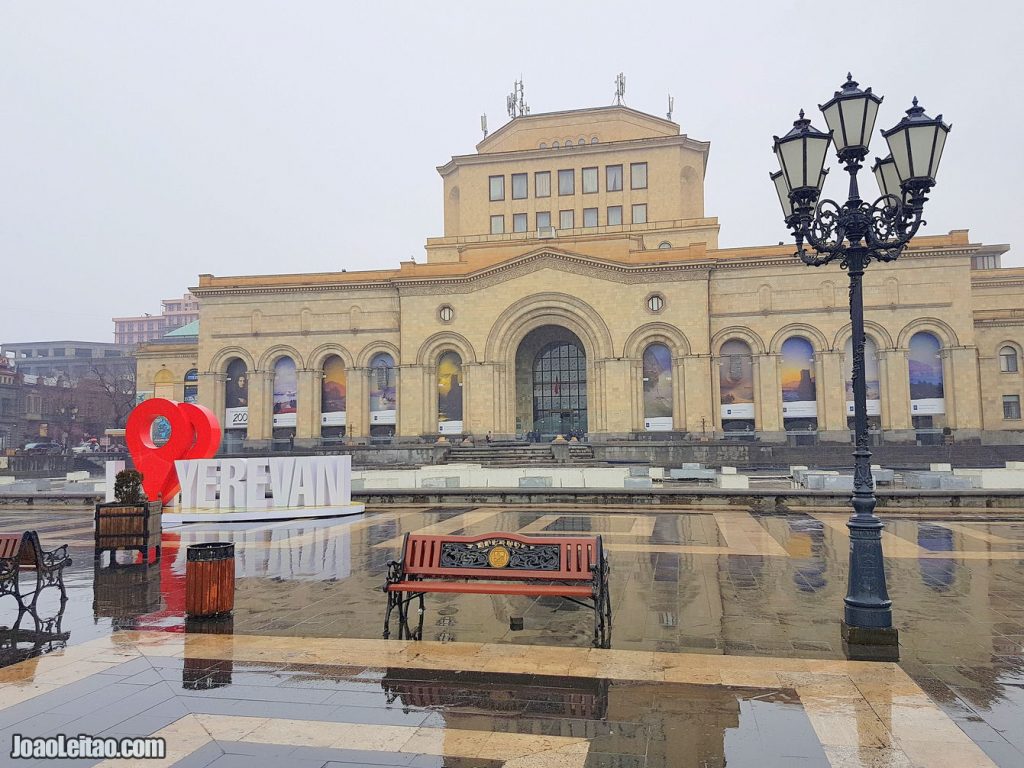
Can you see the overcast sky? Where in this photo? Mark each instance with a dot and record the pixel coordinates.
(143, 143)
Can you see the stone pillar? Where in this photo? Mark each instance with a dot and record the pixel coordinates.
(716, 392)
(410, 396)
(831, 397)
(960, 377)
(260, 411)
(357, 403)
(697, 376)
(307, 418)
(211, 393)
(612, 397)
(480, 411)
(768, 387)
(896, 395)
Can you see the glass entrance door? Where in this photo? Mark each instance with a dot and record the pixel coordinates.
(560, 390)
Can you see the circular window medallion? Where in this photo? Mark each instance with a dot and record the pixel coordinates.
(655, 302)
(446, 313)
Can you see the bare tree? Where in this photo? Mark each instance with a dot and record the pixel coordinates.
(118, 383)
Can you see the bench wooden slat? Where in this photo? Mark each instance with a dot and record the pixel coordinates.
(9, 544)
(493, 588)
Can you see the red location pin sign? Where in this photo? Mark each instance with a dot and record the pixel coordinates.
(195, 434)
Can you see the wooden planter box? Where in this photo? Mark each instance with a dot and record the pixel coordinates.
(128, 526)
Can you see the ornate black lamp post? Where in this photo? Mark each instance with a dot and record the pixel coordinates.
(857, 233)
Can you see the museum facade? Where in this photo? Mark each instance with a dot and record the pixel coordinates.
(579, 290)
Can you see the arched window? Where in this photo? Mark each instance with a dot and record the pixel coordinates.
(872, 384)
(736, 386)
(333, 395)
(927, 396)
(554, 144)
(1008, 360)
(543, 145)
(191, 393)
(593, 139)
(799, 390)
(236, 396)
(383, 395)
(285, 397)
(449, 394)
(163, 384)
(581, 141)
(657, 385)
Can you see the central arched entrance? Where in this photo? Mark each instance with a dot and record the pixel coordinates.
(551, 383)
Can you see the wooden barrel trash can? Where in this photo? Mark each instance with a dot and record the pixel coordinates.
(210, 579)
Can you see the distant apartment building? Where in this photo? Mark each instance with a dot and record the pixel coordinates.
(174, 313)
(71, 359)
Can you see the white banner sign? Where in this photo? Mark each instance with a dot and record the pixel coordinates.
(332, 419)
(928, 406)
(738, 411)
(799, 409)
(382, 417)
(449, 427)
(874, 407)
(658, 424)
(236, 418)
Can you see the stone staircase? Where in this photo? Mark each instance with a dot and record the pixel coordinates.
(519, 454)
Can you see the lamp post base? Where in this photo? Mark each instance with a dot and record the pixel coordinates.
(870, 643)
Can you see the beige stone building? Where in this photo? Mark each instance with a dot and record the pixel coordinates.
(579, 288)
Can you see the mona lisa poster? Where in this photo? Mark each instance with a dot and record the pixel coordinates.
(236, 396)
(449, 394)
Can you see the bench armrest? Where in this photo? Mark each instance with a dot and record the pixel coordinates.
(57, 557)
(394, 573)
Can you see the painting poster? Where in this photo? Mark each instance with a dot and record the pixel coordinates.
(383, 390)
(236, 396)
(799, 392)
(871, 379)
(736, 380)
(333, 393)
(285, 392)
(927, 396)
(449, 394)
(657, 381)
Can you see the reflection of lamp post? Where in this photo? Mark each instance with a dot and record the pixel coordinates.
(855, 233)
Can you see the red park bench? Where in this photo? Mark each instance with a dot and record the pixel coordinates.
(20, 552)
(571, 567)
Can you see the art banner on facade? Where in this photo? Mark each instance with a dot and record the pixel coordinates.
(799, 392)
(927, 396)
(736, 380)
(333, 393)
(286, 389)
(657, 381)
(236, 396)
(192, 386)
(383, 392)
(871, 379)
(449, 394)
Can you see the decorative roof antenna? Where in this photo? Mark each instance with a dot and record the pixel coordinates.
(515, 102)
(483, 124)
(671, 106)
(620, 88)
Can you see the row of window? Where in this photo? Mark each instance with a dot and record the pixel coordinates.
(589, 179)
(567, 219)
(580, 142)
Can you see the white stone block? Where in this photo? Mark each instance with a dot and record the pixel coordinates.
(734, 482)
(728, 470)
(940, 467)
(6, 479)
(794, 468)
(1015, 465)
(75, 477)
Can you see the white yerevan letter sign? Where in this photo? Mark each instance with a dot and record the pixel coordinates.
(296, 481)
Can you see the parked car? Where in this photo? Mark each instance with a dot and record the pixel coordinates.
(40, 449)
(86, 448)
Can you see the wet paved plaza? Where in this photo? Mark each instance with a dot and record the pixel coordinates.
(725, 648)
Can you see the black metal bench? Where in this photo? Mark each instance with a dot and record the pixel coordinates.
(24, 553)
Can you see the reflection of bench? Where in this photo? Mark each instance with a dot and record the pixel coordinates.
(18, 553)
(571, 567)
(18, 644)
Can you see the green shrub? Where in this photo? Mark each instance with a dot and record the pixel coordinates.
(128, 487)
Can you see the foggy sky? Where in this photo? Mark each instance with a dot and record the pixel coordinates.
(143, 143)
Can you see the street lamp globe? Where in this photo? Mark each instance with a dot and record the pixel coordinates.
(782, 190)
(887, 177)
(801, 154)
(916, 144)
(851, 114)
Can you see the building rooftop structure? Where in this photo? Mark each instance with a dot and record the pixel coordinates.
(174, 313)
(70, 359)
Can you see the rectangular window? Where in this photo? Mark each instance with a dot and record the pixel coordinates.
(640, 213)
(985, 262)
(614, 215)
(565, 219)
(543, 219)
(518, 222)
(542, 184)
(590, 217)
(497, 225)
(497, 188)
(520, 186)
(638, 175)
(613, 178)
(567, 182)
(589, 181)
(1011, 407)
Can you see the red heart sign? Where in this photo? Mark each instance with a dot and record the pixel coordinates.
(195, 434)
